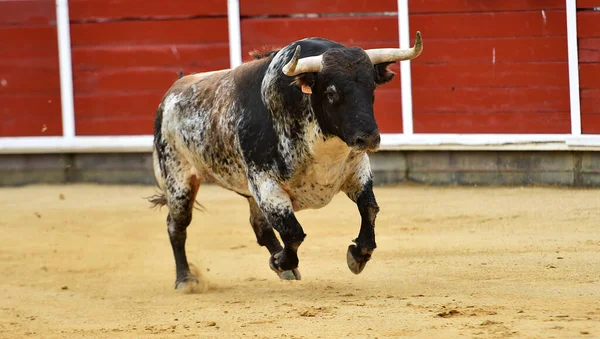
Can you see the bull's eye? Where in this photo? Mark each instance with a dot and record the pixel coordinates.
(332, 94)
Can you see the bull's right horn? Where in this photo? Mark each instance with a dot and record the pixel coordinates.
(305, 65)
(381, 55)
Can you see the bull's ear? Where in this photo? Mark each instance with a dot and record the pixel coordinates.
(382, 73)
(305, 81)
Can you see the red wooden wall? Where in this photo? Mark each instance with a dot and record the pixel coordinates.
(127, 54)
(29, 77)
(588, 31)
(489, 66)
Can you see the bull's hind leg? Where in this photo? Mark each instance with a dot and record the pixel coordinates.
(265, 236)
(181, 186)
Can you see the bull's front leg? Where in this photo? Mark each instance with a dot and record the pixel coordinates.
(276, 206)
(360, 190)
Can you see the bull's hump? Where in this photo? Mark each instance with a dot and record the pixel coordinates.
(196, 79)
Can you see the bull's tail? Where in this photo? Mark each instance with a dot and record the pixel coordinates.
(157, 200)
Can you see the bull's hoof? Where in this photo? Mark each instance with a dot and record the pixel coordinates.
(189, 284)
(293, 274)
(357, 258)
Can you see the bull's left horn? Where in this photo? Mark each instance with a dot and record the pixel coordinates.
(305, 65)
(380, 55)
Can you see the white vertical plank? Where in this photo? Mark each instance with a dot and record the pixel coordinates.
(235, 36)
(66, 68)
(405, 74)
(573, 67)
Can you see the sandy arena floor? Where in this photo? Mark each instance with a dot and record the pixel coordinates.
(95, 261)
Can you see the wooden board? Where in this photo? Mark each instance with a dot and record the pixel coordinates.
(30, 115)
(93, 10)
(547, 74)
(115, 126)
(590, 124)
(489, 25)
(277, 7)
(449, 6)
(588, 3)
(491, 99)
(116, 113)
(388, 109)
(208, 56)
(589, 75)
(587, 24)
(590, 101)
(589, 49)
(27, 12)
(192, 31)
(282, 31)
(119, 78)
(29, 37)
(29, 77)
(502, 50)
(589, 66)
(29, 80)
(496, 122)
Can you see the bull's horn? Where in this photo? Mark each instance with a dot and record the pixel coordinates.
(380, 55)
(305, 65)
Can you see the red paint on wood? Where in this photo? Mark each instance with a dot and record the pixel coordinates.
(447, 6)
(255, 8)
(99, 9)
(95, 114)
(42, 58)
(489, 25)
(124, 80)
(587, 24)
(198, 31)
(485, 99)
(205, 56)
(100, 106)
(29, 80)
(509, 50)
(388, 109)
(27, 115)
(496, 122)
(589, 50)
(588, 3)
(27, 12)
(589, 76)
(282, 31)
(590, 124)
(115, 126)
(26, 38)
(590, 101)
(498, 75)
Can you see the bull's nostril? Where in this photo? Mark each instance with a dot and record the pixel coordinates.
(377, 140)
(359, 141)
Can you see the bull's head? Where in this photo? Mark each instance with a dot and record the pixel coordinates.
(342, 84)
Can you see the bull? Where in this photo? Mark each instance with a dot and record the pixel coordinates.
(287, 131)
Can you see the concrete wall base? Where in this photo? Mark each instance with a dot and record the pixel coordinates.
(505, 168)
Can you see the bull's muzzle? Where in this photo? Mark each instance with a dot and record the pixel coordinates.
(367, 142)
